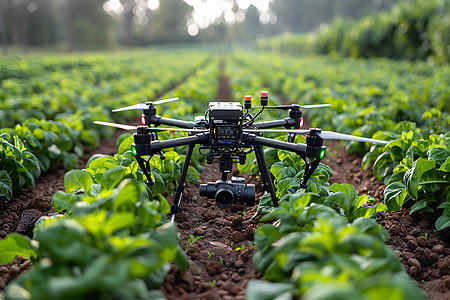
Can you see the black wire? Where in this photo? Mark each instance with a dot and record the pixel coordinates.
(253, 118)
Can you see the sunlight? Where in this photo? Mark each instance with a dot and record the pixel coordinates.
(209, 12)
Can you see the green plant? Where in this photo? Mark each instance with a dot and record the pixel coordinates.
(314, 248)
(423, 177)
(240, 248)
(192, 239)
(345, 200)
(117, 238)
(19, 167)
(210, 254)
(221, 260)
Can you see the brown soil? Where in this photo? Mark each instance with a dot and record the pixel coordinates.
(218, 268)
(224, 92)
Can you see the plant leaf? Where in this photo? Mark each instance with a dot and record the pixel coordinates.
(16, 245)
(76, 179)
(395, 195)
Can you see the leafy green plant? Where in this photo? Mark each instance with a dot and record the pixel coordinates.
(192, 240)
(19, 167)
(116, 238)
(427, 183)
(240, 248)
(345, 200)
(314, 246)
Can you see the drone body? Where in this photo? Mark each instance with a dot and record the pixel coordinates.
(226, 135)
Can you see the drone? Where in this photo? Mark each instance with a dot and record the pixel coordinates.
(226, 134)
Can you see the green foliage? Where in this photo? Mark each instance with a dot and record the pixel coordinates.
(114, 238)
(19, 167)
(314, 248)
(413, 168)
(409, 30)
(426, 182)
(344, 199)
(48, 104)
(192, 240)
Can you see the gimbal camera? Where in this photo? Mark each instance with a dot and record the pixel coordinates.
(226, 135)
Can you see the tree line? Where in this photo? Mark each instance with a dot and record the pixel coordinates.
(86, 24)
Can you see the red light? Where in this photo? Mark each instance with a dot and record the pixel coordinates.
(143, 119)
(301, 122)
(247, 97)
(264, 94)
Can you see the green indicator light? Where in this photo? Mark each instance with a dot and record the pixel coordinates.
(322, 154)
(133, 149)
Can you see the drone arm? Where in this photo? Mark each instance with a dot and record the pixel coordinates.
(287, 123)
(158, 120)
(299, 149)
(315, 150)
(157, 146)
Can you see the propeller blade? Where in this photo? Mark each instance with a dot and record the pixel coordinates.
(165, 100)
(131, 127)
(330, 135)
(290, 106)
(145, 105)
(136, 106)
(116, 125)
(326, 135)
(315, 105)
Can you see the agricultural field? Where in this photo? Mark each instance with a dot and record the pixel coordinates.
(77, 220)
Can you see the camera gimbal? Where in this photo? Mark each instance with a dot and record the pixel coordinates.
(226, 135)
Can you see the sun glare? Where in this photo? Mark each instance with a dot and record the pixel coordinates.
(209, 12)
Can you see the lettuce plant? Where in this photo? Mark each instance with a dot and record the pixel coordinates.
(315, 253)
(19, 167)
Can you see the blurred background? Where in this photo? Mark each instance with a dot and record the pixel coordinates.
(100, 24)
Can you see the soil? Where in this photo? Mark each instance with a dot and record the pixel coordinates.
(221, 260)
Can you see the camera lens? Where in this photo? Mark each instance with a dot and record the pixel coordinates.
(224, 197)
(248, 196)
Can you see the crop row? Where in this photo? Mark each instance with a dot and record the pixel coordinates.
(382, 104)
(113, 240)
(325, 236)
(301, 253)
(55, 103)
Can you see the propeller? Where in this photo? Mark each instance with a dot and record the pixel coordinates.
(146, 105)
(326, 135)
(131, 127)
(291, 106)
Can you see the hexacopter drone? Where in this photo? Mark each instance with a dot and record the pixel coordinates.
(226, 134)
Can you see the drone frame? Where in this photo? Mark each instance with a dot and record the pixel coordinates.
(146, 143)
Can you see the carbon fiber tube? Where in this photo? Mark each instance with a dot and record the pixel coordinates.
(157, 146)
(288, 122)
(299, 149)
(158, 120)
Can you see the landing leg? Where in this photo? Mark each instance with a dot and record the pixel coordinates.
(180, 187)
(265, 174)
